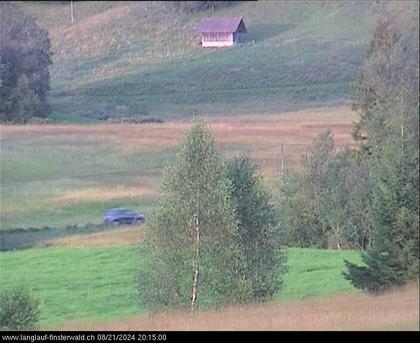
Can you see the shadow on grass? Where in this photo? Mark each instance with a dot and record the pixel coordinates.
(260, 32)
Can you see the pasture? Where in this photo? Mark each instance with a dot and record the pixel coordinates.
(268, 97)
(67, 174)
(81, 281)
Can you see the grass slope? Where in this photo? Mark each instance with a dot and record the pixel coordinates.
(99, 282)
(75, 283)
(144, 59)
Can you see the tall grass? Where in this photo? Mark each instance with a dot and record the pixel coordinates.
(397, 310)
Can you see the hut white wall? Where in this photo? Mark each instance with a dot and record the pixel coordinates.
(208, 42)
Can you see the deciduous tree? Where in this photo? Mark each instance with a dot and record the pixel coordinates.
(260, 236)
(194, 258)
(24, 59)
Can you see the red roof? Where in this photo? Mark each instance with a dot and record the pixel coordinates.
(221, 24)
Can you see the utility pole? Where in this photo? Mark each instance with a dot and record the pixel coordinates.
(71, 12)
(281, 163)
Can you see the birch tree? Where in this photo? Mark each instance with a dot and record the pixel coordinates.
(191, 240)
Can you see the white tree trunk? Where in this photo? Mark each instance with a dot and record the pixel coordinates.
(196, 259)
(196, 269)
(71, 12)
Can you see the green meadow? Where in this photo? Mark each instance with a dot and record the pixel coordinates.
(98, 283)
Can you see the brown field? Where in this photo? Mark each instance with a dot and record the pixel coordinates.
(261, 134)
(396, 310)
(104, 194)
(122, 236)
(82, 166)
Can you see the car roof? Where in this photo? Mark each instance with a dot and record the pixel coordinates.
(118, 210)
(121, 211)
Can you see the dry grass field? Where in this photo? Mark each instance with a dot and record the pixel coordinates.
(256, 132)
(130, 235)
(66, 174)
(396, 310)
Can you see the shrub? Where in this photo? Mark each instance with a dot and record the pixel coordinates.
(199, 6)
(19, 309)
(134, 120)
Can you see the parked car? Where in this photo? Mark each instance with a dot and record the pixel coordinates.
(119, 216)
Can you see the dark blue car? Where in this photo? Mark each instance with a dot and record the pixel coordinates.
(120, 216)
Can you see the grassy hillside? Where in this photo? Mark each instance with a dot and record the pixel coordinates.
(144, 59)
(97, 282)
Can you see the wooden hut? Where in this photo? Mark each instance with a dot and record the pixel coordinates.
(219, 32)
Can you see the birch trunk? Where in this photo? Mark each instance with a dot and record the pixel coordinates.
(196, 260)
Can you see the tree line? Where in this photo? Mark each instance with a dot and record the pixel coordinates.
(367, 198)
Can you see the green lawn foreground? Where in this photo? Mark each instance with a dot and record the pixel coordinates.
(98, 283)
